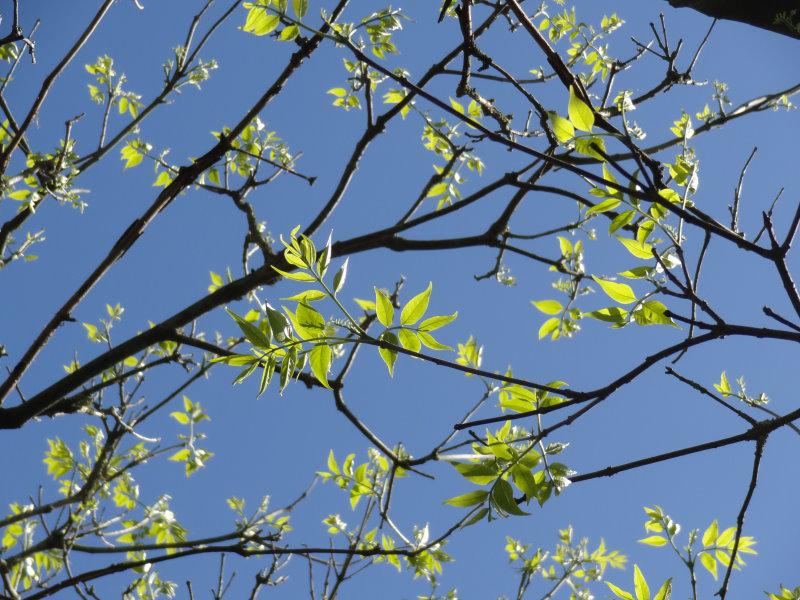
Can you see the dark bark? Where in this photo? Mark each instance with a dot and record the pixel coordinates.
(780, 16)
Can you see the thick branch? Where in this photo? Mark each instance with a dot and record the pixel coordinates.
(780, 16)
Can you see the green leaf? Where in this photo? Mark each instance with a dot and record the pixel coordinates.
(259, 22)
(652, 313)
(618, 592)
(639, 249)
(711, 533)
(289, 33)
(416, 307)
(365, 304)
(437, 322)
(163, 180)
(478, 516)
(726, 537)
(131, 156)
(562, 128)
(180, 417)
(637, 272)
(384, 308)
(612, 314)
(307, 296)
(724, 386)
(389, 355)
(253, 334)
(430, 342)
(300, 276)
(640, 584)
(267, 371)
(478, 473)
(320, 359)
(548, 307)
(580, 113)
(245, 373)
(409, 340)
(300, 8)
(644, 230)
(654, 540)
(548, 327)
(437, 190)
(665, 591)
(236, 360)
(468, 499)
(525, 481)
(619, 292)
(180, 455)
(23, 194)
(670, 196)
(609, 176)
(709, 563)
(591, 145)
(621, 220)
(278, 323)
(340, 277)
(310, 320)
(604, 206)
(332, 466)
(565, 246)
(503, 498)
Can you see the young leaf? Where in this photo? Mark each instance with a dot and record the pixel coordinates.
(639, 249)
(640, 584)
(548, 307)
(525, 481)
(604, 206)
(300, 276)
(409, 340)
(562, 128)
(431, 342)
(612, 314)
(340, 277)
(436, 322)
(307, 296)
(621, 220)
(548, 327)
(310, 320)
(383, 308)
(468, 499)
(320, 359)
(709, 563)
(652, 313)
(389, 355)
(653, 540)
(618, 592)
(416, 307)
(724, 386)
(365, 304)
(619, 292)
(711, 533)
(580, 113)
(665, 591)
(300, 8)
(503, 498)
(253, 334)
(478, 516)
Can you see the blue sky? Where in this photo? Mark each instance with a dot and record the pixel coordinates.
(273, 445)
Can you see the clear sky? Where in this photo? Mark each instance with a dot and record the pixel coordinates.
(274, 445)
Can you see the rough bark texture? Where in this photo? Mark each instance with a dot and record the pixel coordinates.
(781, 16)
